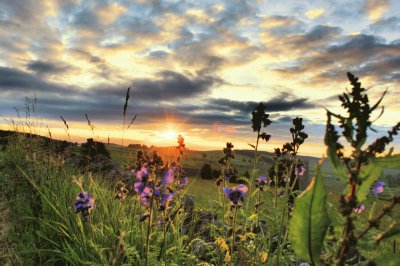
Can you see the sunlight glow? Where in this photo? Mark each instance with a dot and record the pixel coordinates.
(169, 135)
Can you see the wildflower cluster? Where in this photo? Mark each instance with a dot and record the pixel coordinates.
(261, 182)
(235, 195)
(84, 204)
(157, 183)
(147, 187)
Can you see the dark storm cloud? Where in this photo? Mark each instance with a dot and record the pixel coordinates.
(169, 85)
(283, 102)
(158, 54)
(386, 24)
(317, 38)
(106, 101)
(12, 79)
(42, 67)
(151, 99)
(322, 32)
(363, 54)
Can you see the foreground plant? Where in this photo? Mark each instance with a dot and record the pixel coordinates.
(360, 170)
(285, 172)
(235, 197)
(259, 120)
(153, 186)
(83, 204)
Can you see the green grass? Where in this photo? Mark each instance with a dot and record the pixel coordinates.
(54, 234)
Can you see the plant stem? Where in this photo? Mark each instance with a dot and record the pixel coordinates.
(165, 236)
(285, 209)
(149, 229)
(348, 237)
(258, 209)
(234, 230)
(254, 169)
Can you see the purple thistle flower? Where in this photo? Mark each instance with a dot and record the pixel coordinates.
(145, 197)
(165, 199)
(378, 188)
(157, 193)
(84, 204)
(143, 174)
(184, 181)
(167, 177)
(261, 182)
(360, 208)
(262, 178)
(301, 172)
(236, 194)
(139, 187)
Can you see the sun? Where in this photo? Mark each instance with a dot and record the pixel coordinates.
(169, 135)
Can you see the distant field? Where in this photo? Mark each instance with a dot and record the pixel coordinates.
(194, 160)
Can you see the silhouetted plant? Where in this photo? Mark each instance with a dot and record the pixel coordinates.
(360, 169)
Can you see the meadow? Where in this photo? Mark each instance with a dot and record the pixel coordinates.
(288, 210)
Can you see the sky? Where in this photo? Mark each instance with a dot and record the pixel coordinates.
(196, 68)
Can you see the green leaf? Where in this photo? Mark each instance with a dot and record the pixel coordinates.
(244, 179)
(392, 161)
(330, 142)
(369, 175)
(310, 221)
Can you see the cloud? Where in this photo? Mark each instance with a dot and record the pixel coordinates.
(301, 44)
(283, 102)
(169, 85)
(366, 55)
(282, 25)
(391, 24)
(15, 80)
(158, 54)
(314, 13)
(376, 8)
(42, 67)
(108, 14)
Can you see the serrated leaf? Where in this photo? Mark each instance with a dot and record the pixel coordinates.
(244, 179)
(392, 161)
(310, 221)
(369, 175)
(334, 160)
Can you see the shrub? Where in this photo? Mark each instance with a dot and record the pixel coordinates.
(206, 171)
(92, 148)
